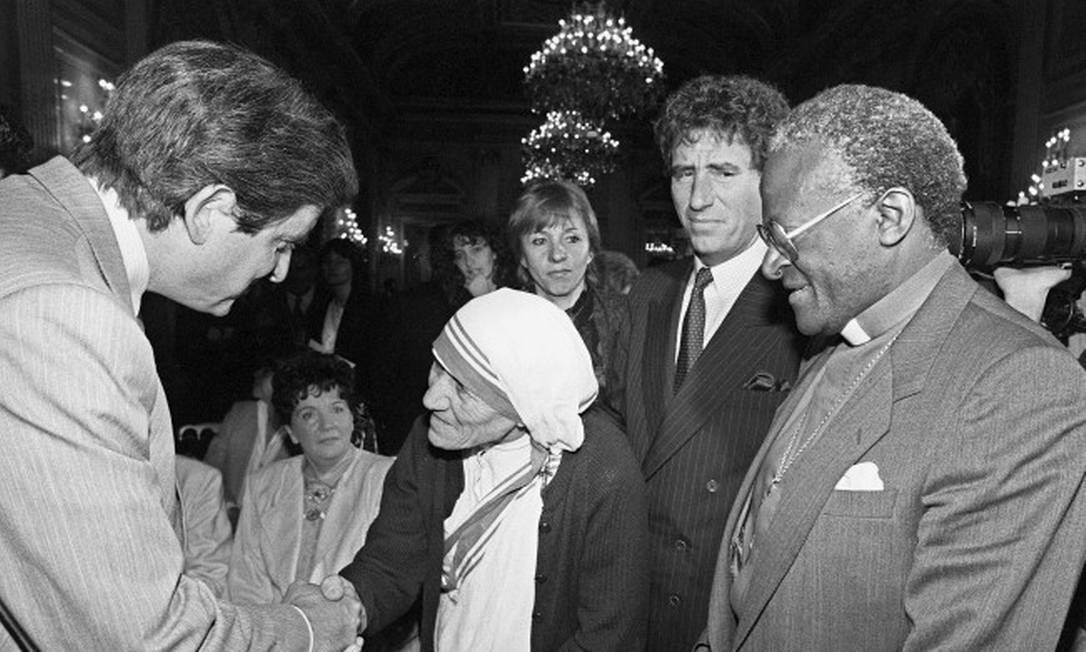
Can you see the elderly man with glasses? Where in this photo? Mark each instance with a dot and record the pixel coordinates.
(920, 488)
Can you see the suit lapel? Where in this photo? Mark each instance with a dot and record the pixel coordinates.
(807, 486)
(729, 358)
(721, 625)
(861, 423)
(661, 324)
(75, 193)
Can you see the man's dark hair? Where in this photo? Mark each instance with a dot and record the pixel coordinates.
(727, 106)
(296, 375)
(196, 113)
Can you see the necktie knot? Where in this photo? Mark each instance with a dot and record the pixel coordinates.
(702, 279)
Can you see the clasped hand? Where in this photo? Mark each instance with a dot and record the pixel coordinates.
(334, 610)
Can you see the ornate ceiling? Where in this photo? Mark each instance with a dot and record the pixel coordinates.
(375, 60)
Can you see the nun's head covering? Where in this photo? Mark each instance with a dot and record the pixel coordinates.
(521, 355)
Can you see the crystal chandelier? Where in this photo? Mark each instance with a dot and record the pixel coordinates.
(594, 65)
(567, 146)
(593, 70)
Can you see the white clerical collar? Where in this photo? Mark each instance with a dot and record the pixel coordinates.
(133, 255)
(899, 305)
(742, 266)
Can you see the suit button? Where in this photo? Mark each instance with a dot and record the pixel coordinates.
(674, 600)
(540, 579)
(545, 527)
(536, 615)
(681, 545)
(711, 486)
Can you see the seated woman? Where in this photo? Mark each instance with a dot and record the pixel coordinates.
(304, 517)
(517, 511)
(554, 237)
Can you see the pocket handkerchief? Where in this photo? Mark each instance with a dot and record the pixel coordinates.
(861, 477)
(763, 381)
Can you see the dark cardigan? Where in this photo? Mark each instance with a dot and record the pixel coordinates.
(592, 564)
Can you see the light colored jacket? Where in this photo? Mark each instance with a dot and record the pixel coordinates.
(88, 510)
(264, 561)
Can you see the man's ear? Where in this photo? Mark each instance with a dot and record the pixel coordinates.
(897, 211)
(202, 207)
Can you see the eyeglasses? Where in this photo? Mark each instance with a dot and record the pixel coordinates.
(775, 236)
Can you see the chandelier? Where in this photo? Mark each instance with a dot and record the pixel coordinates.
(594, 65)
(593, 70)
(567, 146)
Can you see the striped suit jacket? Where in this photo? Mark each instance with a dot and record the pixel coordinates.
(89, 550)
(694, 446)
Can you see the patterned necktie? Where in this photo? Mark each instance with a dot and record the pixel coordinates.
(693, 328)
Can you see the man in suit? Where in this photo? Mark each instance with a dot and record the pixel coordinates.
(711, 349)
(209, 164)
(921, 487)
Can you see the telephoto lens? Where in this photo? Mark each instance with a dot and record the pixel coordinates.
(1016, 236)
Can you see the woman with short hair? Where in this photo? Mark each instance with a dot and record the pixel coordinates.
(304, 517)
(554, 237)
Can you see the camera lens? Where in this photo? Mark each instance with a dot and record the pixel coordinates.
(992, 234)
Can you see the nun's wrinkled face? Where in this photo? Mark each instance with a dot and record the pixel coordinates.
(461, 420)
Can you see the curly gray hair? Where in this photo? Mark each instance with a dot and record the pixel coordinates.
(888, 140)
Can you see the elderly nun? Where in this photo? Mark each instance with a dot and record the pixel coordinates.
(515, 508)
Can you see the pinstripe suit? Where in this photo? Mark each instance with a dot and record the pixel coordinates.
(694, 447)
(89, 554)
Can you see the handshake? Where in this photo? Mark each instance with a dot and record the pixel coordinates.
(332, 612)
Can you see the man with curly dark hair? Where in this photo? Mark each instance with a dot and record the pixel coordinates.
(711, 347)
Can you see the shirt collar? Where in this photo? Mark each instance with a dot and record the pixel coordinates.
(899, 305)
(742, 266)
(133, 255)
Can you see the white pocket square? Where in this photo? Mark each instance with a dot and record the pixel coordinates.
(861, 477)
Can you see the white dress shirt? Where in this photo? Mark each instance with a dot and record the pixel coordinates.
(729, 279)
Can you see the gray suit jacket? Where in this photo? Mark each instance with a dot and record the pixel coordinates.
(89, 551)
(976, 420)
